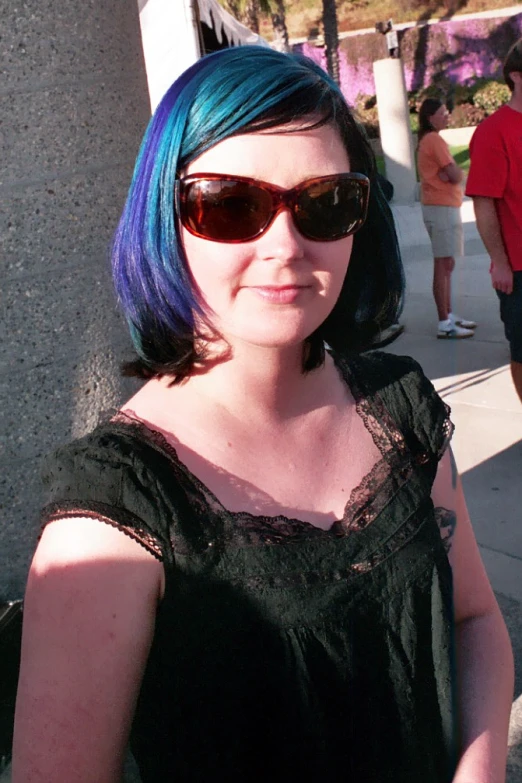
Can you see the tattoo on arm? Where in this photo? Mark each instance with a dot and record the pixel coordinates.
(447, 522)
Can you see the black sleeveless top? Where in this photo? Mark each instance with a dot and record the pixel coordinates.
(283, 651)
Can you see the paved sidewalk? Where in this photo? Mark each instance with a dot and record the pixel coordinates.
(473, 378)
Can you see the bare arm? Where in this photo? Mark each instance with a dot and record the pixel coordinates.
(451, 173)
(484, 658)
(489, 229)
(88, 623)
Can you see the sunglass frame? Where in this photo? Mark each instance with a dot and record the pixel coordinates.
(282, 198)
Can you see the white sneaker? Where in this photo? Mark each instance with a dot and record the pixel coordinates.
(462, 321)
(448, 330)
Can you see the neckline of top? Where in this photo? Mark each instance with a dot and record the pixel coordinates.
(357, 515)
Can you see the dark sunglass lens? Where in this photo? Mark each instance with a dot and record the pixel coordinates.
(225, 211)
(330, 209)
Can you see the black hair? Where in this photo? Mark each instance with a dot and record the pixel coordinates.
(513, 62)
(429, 107)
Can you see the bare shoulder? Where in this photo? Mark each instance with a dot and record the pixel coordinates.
(97, 563)
(89, 575)
(87, 543)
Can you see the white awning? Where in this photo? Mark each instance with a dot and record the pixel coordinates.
(171, 37)
(215, 16)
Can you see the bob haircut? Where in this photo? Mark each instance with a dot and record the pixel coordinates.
(230, 92)
(513, 62)
(427, 109)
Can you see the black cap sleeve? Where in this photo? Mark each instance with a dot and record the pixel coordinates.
(104, 476)
(429, 416)
(411, 399)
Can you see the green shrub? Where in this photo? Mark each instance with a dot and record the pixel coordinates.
(472, 103)
(370, 120)
(462, 93)
(412, 100)
(364, 102)
(432, 91)
(365, 107)
(491, 96)
(466, 115)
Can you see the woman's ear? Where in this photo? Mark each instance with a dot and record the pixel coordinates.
(516, 78)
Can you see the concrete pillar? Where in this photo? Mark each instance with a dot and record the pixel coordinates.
(74, 105)
(394, 123)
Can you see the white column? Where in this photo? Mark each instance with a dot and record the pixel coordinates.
(394, 122)
(169, 34)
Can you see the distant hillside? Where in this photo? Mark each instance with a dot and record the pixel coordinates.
(304, 15)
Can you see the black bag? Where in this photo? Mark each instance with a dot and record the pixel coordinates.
(10, 648)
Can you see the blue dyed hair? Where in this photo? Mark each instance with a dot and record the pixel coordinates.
(235, 91)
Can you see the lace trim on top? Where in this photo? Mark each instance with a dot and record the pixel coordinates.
(119, 518)
(361, 508)
(366, 500)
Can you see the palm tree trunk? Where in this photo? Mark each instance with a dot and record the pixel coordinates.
(252, 15)
(233, 7)
(331, 38)
(280, 28)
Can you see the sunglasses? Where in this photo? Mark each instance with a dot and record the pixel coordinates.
(223, 208)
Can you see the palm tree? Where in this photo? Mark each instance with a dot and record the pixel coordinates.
(331, 38)
(233, 7)
(249, 11)
(278, 16)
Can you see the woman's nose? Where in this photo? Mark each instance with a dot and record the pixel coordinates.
(282, 240)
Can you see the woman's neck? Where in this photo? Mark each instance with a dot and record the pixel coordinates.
(259, 382)
(516, 100)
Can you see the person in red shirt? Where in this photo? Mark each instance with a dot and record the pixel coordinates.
(495, 184)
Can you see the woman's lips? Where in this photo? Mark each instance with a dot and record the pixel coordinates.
(284, 294)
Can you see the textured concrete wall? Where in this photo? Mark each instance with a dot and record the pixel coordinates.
(73, 107)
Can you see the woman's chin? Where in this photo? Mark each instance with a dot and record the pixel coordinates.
(280, 330)
(272, 340)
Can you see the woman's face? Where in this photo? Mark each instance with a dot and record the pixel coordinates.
(273, 291)
(439, 120)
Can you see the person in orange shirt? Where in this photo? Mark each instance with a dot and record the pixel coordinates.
(441, 197)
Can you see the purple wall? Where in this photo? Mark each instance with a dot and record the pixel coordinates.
(460, 50)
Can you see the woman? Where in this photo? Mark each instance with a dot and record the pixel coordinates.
(441, 197)
(249, 569)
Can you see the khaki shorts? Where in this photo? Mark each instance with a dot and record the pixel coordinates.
(444, 227)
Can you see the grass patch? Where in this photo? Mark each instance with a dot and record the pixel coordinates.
(461, 155)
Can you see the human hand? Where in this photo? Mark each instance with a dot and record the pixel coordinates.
(443, 176)
(501, 277)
